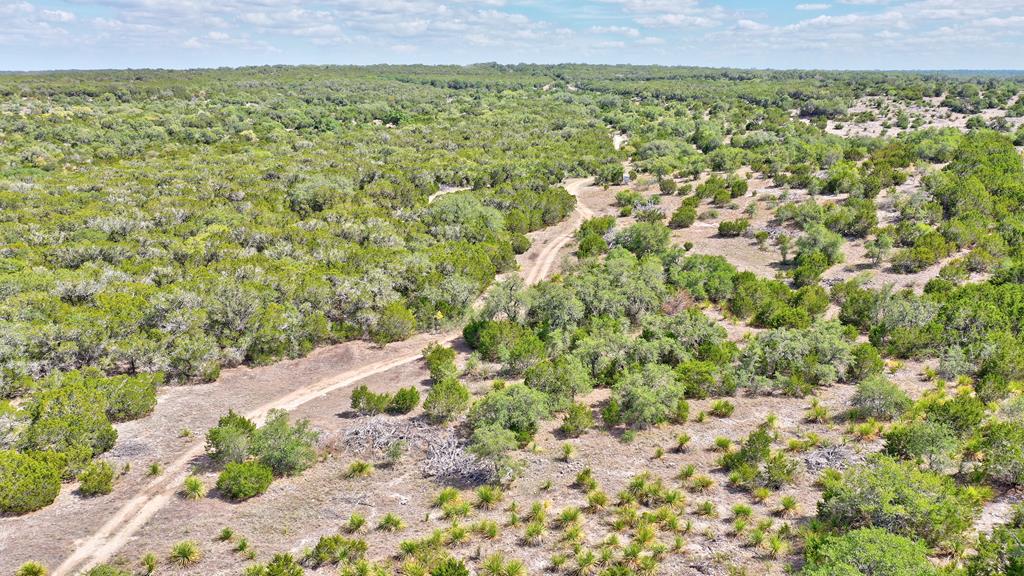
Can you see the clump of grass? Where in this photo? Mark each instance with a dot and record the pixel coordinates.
(31, 569)
(723, 444)
(193, 488)
(722, 409)
(682, 441)
(567, 451)
(359, 469)
(596, 499)
(707, 508)
(226, 534)
(185, 553)
(788, 505)
(817, 413)
(568, 516)
(534, 533)
(761, 494)
(701, 483)
(686, 472)
(456, 509)
(486, 528)
(242, 545)
(155, 469)
(390, 523)
(149, 563)
(445, 496)
(742, 511)
(585, 480)
(488, 496)
(355, 523)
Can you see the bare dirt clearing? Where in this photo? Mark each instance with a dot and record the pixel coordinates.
(880, 117)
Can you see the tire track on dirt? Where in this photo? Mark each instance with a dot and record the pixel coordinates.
(118, 530)
(547, 258)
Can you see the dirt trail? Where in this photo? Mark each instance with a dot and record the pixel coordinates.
(541, 268)
(117, 531)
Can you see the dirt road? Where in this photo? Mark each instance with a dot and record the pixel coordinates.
(548, 257)
(116, 532)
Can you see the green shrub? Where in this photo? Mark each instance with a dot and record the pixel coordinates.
(868, 552)
(912, 502)
(866, 362)
(649, 396)
(880, 399)
(1002, 447)
(26, 484)
(446, 400)
(1000, 553)
(67, 415)
(368, 403)
(396, 322)
(231, 439)
(683, 217)
(68, 463)
(440, 361)
(96, 479)
(644, 238)
(404, 401)
(516, 407)
(243, 480)
(285, 448)
(577, 420)
(733, 228)
(931, 442)
(562, 379)
(130, 397)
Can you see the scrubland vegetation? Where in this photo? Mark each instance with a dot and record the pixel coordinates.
(158, 227)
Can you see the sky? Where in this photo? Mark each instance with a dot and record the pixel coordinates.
(832, 34)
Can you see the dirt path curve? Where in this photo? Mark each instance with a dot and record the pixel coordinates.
(117, 531)
(548, 257)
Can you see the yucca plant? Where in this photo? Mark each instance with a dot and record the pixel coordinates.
(359, 469)
(445, 496)
(31, 569)
(390, 523)
(185, 553)
(682, 441)
(788, 505)
(488, 496)
(355, 523)
(193, 488)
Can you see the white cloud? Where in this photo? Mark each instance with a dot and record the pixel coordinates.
(620, 30)
(58, 15)
(746, 24)
(813, 7)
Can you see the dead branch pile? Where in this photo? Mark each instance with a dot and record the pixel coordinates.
(445, 455)
(838, 457)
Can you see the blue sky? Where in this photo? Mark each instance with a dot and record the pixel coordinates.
(874, 34)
